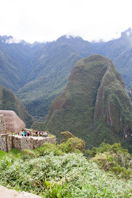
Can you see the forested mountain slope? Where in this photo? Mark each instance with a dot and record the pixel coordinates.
(94, 105)
(38, 72)
(8, 101)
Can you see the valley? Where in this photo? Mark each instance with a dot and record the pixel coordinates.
(65, 99)
(39, 72)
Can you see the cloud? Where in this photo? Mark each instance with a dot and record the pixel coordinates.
(13, 40)
(45, 20)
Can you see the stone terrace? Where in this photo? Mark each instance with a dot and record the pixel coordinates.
(8, 142)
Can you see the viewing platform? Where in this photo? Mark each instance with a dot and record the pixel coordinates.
(8, 141)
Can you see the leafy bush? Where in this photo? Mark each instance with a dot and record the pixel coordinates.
(28, 154)
(54, 190)
(69, 175)
(48, 148)
(106, 147)
(112, 158)
(52, 173)
(72, 145)
(66, 135)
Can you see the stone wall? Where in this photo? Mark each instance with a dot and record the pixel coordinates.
(3, 142)
(2, 123)
(7, 142)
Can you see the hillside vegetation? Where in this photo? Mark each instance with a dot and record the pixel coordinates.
(8, 101)
(38, 72)
(94, 105)
(62, 170)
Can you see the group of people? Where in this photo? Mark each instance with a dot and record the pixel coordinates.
(25, 133)
(41, 133)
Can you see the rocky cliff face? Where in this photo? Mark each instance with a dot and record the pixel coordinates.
(8, 101)
(94, 105)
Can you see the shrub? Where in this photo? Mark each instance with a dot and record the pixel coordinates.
(51, 173)
(48, 148)
(113, 158)
(70, 175)
(73, 144)
(29, 154)
(66, 135)
(54, 190)
(106, 147)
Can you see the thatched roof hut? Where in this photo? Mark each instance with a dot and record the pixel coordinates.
(10, 122)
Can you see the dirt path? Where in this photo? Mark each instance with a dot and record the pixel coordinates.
(6, 193)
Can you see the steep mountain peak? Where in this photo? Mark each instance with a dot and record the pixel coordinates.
(94, 104)
(96, 57)
(5, 38)
(127, 33)
(68, 38)
(72, 40)
(38, 72)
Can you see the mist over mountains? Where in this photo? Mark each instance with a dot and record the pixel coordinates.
(39, 72)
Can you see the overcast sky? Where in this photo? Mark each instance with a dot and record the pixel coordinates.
(46, 20)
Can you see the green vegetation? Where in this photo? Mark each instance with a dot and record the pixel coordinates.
(112, 158)
(94, 105)
(39, 72)
(52, 171)
(8, 101)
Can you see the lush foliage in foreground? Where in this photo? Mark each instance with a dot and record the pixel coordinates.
(53, 173)
(112, 158)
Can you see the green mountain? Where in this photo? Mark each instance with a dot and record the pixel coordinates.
(120, 51)
(52, 66)
(8, 101)
(15, 61)
(39, 72)
(124, 65)
(94, 105)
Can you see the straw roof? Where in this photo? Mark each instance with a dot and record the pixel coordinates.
(10, 122)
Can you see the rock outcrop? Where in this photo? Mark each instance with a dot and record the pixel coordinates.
(94, 104)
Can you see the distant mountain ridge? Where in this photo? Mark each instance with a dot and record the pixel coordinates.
(39, 72)
(94, 105)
